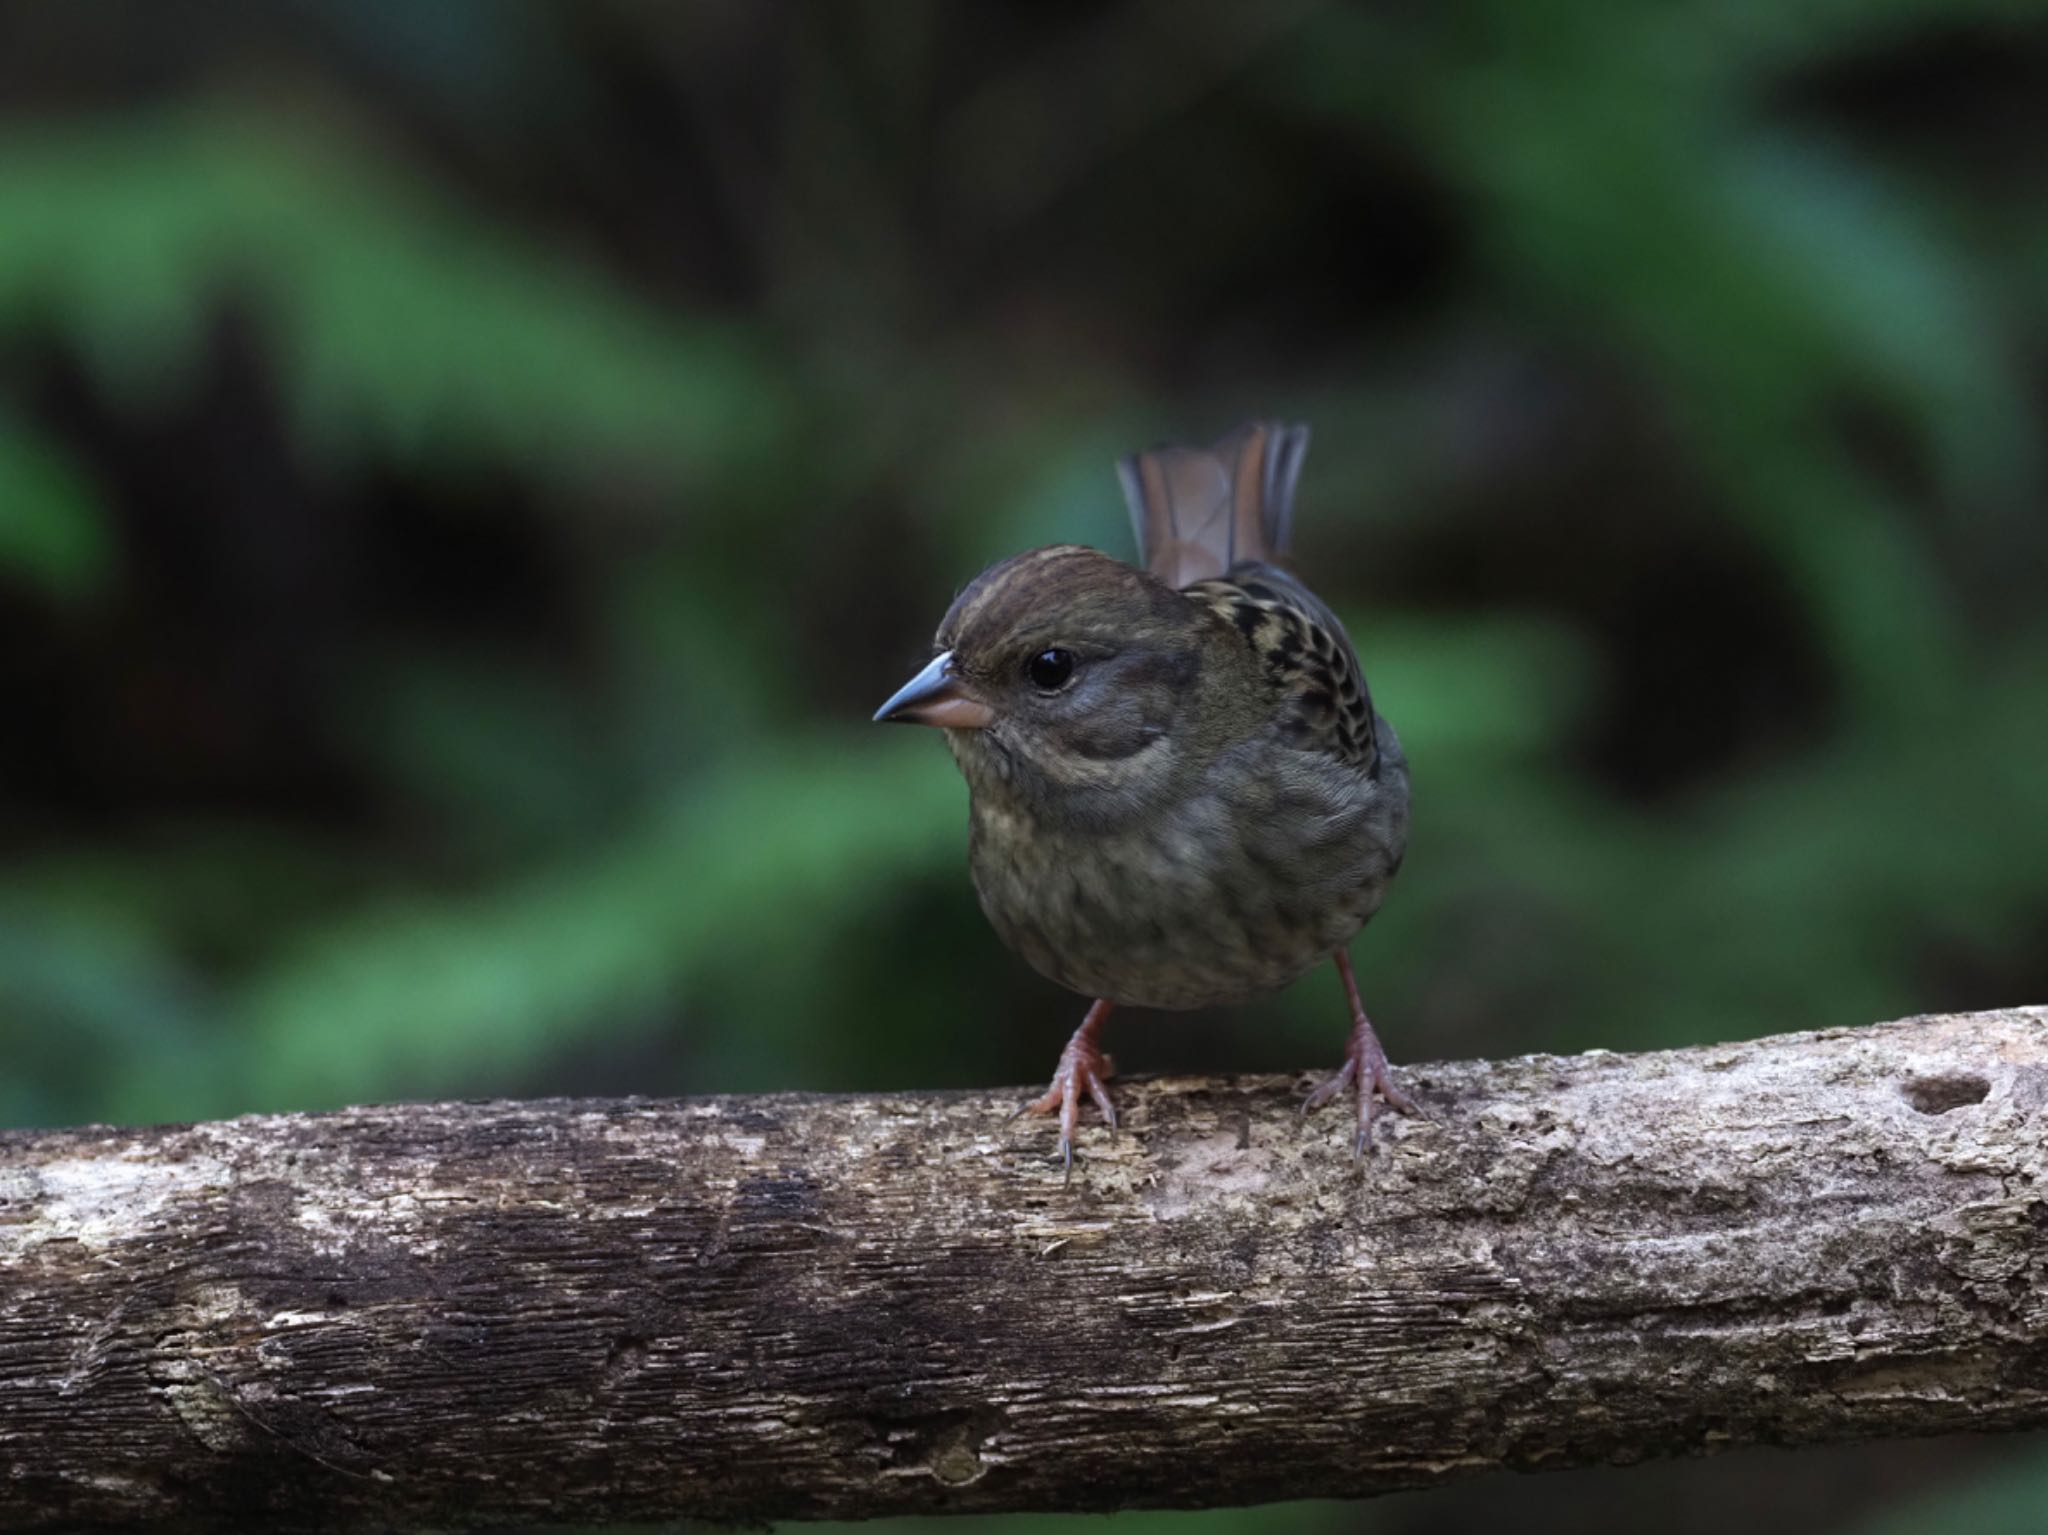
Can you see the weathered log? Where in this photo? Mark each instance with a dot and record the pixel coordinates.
(785, 1307)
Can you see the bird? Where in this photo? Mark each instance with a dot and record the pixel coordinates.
(1180, 793)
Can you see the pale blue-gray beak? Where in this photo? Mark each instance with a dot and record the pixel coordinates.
(938, 695)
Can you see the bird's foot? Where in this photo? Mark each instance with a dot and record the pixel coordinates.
(1083, 1067)
(1364, 1070)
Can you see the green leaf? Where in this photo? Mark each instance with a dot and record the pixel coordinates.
(403, 325)
(53, 533)
(411, 995)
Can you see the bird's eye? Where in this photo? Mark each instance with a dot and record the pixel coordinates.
(1050, 669)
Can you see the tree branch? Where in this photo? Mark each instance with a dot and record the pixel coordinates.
(786, 1307)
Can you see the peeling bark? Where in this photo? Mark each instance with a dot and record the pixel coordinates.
(788, 1307)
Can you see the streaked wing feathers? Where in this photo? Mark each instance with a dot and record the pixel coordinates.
(1307, 656)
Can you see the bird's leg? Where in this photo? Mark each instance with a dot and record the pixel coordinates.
(1364, 1069)
(1083, 1067)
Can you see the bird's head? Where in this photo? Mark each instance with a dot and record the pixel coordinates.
(1064, 677)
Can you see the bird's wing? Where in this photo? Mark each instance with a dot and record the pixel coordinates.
(1323, 701)
(1200, 512)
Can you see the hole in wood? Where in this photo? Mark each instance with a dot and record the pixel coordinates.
(1937, 1095)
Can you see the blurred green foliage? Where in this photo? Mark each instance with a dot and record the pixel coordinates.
(467, 472)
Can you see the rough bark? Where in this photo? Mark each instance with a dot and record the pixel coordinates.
(788, 1307)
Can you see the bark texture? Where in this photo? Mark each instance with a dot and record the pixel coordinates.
(790, 1307)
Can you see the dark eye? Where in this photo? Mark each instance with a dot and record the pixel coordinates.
(1050, 669)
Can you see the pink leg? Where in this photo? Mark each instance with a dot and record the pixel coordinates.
(1082, 1066)
(1364, 1069)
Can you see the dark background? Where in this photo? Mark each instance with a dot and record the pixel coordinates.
(468, 470)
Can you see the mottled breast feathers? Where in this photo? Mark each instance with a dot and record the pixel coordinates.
(1306, 656)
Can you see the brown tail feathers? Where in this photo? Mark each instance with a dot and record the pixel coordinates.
(1199, 511)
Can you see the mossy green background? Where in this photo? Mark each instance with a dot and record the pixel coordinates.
(467, 471)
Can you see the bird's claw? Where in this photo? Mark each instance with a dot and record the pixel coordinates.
(1365, 1069)
(1083, 1067)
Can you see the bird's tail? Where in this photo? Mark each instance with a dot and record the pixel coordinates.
(1199, 511)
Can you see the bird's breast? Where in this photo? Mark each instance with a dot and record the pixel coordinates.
(1232, 891)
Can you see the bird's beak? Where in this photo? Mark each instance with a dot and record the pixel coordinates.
(937, 696)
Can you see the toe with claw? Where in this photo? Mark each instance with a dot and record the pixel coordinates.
(1083, 1068)
(1364, 1071)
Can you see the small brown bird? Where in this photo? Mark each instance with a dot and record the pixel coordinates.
(1180, 793)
